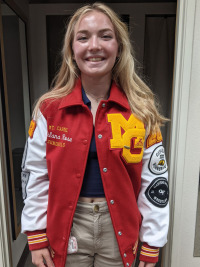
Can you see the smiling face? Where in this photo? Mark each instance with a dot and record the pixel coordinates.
(95, 45)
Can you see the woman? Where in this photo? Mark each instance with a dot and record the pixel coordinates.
(94, 161)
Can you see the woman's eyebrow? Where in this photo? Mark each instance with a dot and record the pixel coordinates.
(102, 30)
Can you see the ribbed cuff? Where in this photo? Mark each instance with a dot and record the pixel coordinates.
(37, 239)
(149, 254)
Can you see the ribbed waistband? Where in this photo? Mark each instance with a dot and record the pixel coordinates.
(95, 207)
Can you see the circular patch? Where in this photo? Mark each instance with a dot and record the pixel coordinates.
(158, 192)
(157, 162)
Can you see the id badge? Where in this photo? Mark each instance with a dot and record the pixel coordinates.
(72, 245)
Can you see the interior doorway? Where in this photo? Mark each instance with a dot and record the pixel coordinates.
(142, 16)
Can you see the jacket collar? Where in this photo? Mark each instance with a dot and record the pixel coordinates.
(75, 97)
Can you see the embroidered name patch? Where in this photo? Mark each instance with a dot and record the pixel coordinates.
(153, 139)
(158, 192)
(157, 163)
(132, 139)
(24, 178)
(32, 128)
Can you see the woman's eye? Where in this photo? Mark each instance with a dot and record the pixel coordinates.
(107, 37)
(82, 38)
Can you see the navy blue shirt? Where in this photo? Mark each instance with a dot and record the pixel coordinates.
(92, 183)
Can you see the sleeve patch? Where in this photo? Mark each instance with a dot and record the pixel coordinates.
(153, 139)
(32, 128)
(158, 192)
(157, 163)
(25, 179)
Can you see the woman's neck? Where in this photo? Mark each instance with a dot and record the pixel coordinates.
(96, 88)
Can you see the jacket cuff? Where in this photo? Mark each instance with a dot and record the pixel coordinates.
(37, 239)
(148, 253)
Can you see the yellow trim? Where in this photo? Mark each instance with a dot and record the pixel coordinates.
(150, 249)
(37, 241)
(148, 254)
(36, 236)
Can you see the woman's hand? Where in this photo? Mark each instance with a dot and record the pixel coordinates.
(146, 264)
(38, 257)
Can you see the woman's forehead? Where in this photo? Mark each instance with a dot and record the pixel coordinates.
(93, 19)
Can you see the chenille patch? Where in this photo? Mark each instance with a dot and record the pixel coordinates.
(32, 128)
(133, 129)
(158, 192)
(153, 139)
(157, 163)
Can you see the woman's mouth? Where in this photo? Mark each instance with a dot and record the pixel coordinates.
(95, 59)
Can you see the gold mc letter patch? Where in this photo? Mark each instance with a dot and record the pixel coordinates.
(133, 128)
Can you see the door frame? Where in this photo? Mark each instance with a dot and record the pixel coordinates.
(184, 164)
(181, 110)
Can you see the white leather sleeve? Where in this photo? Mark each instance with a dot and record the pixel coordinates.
(35, 181)
(153, 198)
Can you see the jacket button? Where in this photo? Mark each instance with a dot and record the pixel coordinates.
(119, 233)
(112, 202)
(105, 169)
(100, 136)
(125, 255)
(78, 175)
(103, 105)
(85, 142)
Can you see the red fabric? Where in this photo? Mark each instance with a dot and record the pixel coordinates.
(66, 161)
(152, 251)
(37, 239)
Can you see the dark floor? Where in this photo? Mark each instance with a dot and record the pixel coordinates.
(28, 262)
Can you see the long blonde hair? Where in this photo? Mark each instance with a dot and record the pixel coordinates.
(140, 97)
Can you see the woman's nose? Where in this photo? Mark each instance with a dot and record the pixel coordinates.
(94, 43)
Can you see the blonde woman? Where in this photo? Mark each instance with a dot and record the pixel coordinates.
(94, 171)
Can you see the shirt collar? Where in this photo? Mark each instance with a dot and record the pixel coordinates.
(86, 100)
(76, 97)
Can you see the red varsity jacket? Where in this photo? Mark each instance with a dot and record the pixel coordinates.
(133, 170)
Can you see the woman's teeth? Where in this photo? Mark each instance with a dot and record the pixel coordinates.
(94, 59)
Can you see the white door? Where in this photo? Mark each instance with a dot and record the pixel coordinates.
(185, 143)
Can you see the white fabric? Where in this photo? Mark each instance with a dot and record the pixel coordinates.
(34, 214)
(155, 222)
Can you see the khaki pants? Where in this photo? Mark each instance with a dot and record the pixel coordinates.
(97, 245)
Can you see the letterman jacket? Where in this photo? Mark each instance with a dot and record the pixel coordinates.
(133, 170)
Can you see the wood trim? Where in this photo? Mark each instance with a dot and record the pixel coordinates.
(16, 8)
(5, 236)
(17, 228)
